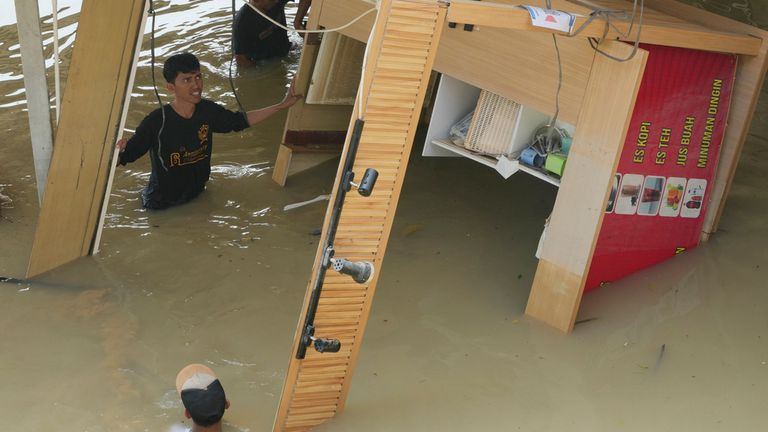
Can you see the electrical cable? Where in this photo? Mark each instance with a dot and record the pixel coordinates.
(268, 18)
(553, 122)
(154, 85)
(593, 42)
(359, 17)
(607, 15)
(360, 107)
(232, 60)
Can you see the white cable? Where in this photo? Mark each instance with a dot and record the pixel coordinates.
(365, 55)
(309, 31)
(362, 72)
(56, 72)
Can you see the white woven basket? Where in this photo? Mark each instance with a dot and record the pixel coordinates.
(493, 125)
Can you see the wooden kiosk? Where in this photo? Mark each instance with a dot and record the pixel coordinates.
(412, 37)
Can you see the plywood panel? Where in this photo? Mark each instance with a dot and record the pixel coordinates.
(92, 107)
(579, 208)
(316, 387)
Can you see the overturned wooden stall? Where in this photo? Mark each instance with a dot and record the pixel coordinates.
(411, 38)
(598, 96)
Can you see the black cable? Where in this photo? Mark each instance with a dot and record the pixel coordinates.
(152, 51)
(553, 122)
(154, 84)
(606, 14)
(232, 59)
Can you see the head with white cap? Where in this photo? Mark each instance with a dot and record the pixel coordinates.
(203, 397)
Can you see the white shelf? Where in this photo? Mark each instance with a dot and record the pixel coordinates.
(504, 166)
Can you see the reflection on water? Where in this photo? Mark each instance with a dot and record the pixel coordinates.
(96, 344)
(748, 11)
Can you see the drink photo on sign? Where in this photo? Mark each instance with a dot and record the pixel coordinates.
(673, 197)
(629, 194)
(651, 197)
(693, 199)
(614, 192)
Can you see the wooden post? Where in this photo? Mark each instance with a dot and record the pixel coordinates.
(396, 76)
(580, 205)
(33, 66)
(92, 110)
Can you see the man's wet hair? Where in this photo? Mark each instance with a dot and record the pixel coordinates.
(180, 63)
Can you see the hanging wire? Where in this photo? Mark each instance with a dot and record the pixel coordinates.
(360, 106)
(232, 59)
(268, 18)
(360, 110)
(154, 84)
(607, 15)
(553, 122)
(56, 71)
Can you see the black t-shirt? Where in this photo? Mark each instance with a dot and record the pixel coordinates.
(258, 38)
(181, 159)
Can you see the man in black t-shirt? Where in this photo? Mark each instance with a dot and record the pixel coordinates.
(255, 38)
(179, 136)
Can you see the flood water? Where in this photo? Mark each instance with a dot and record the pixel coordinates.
(96, 344)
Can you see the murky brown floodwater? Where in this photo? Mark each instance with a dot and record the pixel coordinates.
(95, 345)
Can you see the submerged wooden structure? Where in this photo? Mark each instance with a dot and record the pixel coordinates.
(410, 39)
(598, 96)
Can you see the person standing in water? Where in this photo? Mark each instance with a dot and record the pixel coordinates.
(179, 135)
(203, 398)
(256, 38)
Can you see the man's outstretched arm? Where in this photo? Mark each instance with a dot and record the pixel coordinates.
(259, 115)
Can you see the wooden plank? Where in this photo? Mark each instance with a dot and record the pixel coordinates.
(92, 107)
(282, 164)
(750, 76)
(579, 208)
(36, 88)
(365, 224)
(657, 32)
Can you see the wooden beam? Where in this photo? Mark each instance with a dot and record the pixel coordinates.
(91, 112)
(750, 76)
(38, 105)
(653, 31)
(580, 205)
(316, 387)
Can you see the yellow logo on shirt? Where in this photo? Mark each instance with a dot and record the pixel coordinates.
(202, 134)
(189, 157)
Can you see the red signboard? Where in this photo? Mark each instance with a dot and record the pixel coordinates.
(661, 190)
